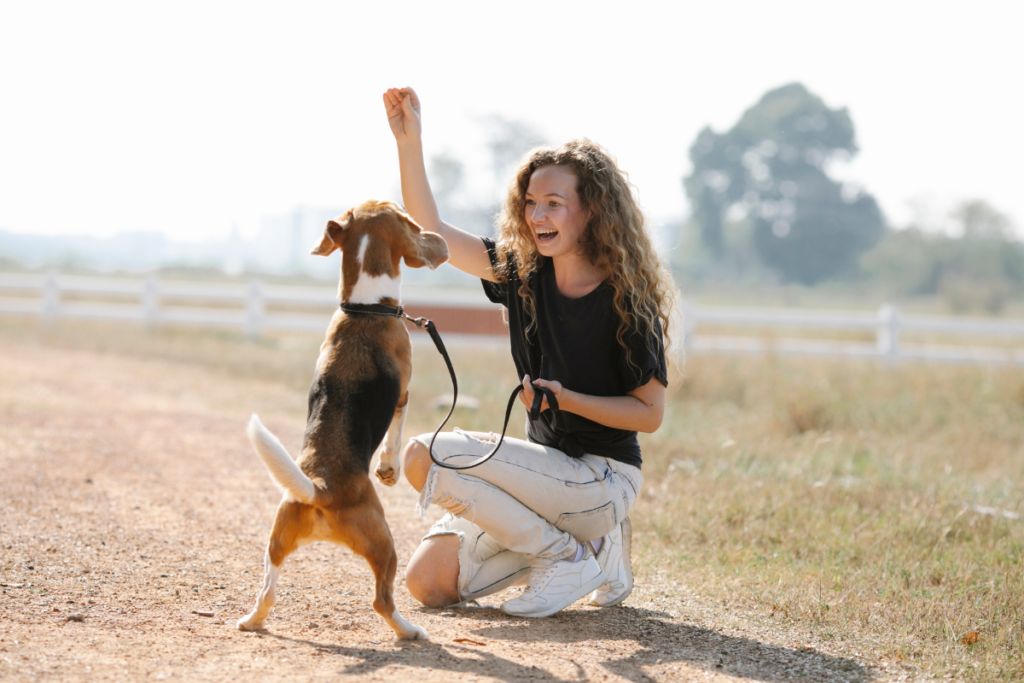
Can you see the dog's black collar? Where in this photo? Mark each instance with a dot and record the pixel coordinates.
(373, 309)
(383, 310)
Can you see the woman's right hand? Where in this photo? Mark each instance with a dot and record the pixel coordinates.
(403, 108)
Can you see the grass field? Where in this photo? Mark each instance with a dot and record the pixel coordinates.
(877, 507)
(865, 503)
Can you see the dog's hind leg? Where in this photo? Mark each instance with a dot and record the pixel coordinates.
(366, 533)
(253, 621)
(284, 540)
(389, 464)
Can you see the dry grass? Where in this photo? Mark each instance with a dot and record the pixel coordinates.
(857, 503)
(843, 498)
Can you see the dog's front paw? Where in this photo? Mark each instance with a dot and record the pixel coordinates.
(414, 632)
(386, 472)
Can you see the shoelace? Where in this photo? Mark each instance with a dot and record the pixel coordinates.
(538, 579)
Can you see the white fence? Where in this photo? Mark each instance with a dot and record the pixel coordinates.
(156, 302)
(256, 307)
(887, 325)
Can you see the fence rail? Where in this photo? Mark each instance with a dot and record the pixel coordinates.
(256, 307)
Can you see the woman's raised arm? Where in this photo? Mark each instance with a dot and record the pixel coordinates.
(466, 251)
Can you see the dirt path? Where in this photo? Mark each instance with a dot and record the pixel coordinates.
(130, 501)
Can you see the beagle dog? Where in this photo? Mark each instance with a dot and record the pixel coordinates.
(357, 399)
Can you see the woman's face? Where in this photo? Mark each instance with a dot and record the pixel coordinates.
(553, 211)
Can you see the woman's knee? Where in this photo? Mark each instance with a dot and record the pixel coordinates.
(416, 463)
(432, 575)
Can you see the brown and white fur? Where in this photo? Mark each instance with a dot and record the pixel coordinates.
(358, 398)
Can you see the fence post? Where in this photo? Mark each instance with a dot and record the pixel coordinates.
(51, 298)
(151, 302)
(889, 331)
(254, 309)
(689, 324)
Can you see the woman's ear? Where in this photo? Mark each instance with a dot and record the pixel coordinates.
(332, 236)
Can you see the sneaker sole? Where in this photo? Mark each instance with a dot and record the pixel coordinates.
(627, 549)
(589, 587)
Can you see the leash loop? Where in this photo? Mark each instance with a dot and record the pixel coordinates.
(538, 399)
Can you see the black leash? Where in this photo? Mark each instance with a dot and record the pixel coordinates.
(540, 393)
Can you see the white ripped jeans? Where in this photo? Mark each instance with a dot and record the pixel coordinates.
(529, 499)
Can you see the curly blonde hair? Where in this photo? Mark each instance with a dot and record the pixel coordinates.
(615, 239)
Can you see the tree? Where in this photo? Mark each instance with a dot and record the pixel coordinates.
(772, 164)
(982, 268)
(980, 220)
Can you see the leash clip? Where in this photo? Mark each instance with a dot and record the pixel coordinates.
(418, 322)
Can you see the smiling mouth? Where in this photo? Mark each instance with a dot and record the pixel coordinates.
(546, 235)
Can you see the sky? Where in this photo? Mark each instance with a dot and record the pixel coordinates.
(191, 118)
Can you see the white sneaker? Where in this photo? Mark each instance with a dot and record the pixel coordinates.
(554, 585)
(614, 561)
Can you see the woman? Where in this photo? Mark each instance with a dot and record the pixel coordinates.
(587, 302)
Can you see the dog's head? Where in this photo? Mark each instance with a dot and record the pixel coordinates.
(373, 237)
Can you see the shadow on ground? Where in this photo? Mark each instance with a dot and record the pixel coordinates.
(660, 647)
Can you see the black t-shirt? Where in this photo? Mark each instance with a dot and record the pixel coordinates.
(575, 343)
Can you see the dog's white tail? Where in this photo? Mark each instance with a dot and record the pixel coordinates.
(283, 470)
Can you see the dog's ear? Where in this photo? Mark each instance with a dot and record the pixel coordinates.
(332, 236)
(426, 248)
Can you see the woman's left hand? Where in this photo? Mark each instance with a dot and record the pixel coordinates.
(527, 395)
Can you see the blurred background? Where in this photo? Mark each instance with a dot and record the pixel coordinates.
(785, 153)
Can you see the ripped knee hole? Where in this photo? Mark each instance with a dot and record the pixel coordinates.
(482, 437)
(452, 504)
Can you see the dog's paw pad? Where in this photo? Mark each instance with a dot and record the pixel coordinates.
(388, 477)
